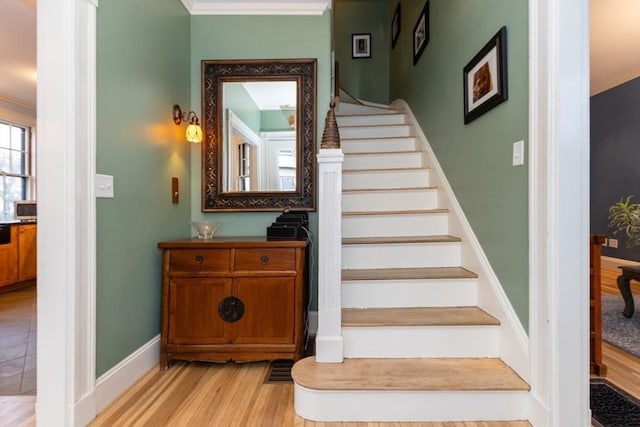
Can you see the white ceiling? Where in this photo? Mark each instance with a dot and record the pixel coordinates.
(615, 43)
(18, 52)
(615, 40)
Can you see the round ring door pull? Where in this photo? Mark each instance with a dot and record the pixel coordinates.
(264, 259)
(199, 259)
(231, 309)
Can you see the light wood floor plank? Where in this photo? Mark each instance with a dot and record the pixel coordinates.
(408, 273)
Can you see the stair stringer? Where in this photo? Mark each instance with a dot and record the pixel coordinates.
(514, 342)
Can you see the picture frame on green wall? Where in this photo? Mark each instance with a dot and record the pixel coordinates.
(361, 45)
(485, 78)
(395, 27)
(421, 33)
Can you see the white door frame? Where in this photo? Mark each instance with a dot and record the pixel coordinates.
(559, 211)
(559, 180)
(66, 374)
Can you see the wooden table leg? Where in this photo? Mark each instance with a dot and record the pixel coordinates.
(624, 284)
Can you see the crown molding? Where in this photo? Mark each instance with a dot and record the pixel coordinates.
(256, 7)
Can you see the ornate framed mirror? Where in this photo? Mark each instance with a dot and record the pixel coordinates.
(259, 123)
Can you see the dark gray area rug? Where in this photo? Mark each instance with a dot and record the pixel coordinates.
(618, 330)
(612, 407)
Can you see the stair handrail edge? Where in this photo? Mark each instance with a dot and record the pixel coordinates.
(514, 341)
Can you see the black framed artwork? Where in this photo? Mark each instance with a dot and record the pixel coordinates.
(485, 77)
(361, 45)
(395, 27)
(421, 33)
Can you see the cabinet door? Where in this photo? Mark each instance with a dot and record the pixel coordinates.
(269, 310)
(27, 252)
(193, 310)
(9, 259)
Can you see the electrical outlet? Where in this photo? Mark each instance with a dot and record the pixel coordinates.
(613, 243)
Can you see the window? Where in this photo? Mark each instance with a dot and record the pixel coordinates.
(15, 167)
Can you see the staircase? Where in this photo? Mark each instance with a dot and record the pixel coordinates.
(416, 345)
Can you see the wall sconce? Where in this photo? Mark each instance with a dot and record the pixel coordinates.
(194, 131)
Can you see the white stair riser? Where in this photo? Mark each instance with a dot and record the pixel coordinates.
(383, 161)
(374, 145)
(411, 178)
(346, 108)
(372, 120)
(413, 255)
(375, 201)
(420, 341)
(395, 225)
(409, 293)
(375, 131)
(408, 406)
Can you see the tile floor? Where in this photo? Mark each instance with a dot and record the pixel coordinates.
(18, 342)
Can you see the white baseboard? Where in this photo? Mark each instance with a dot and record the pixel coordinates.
(610, 263)
(118, 379)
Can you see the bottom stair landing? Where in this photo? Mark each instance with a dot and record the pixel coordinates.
(405, 390)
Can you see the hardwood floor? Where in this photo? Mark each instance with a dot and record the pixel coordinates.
(201, 395)
(18, 342)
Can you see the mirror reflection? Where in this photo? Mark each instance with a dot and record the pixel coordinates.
(259, 150)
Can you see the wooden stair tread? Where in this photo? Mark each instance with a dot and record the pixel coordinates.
(405, 212)
(417, 316)
(399, 239)
(409, 273)
(438, 374)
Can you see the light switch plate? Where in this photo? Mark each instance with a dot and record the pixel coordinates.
(518, 153)
(104, 186)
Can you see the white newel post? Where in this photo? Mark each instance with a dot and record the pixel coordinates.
(329, 335)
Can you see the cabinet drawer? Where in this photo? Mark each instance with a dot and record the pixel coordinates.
(200, 260)
(265, 259)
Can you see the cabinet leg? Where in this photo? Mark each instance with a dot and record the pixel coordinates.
(624, 284)
(164, 362)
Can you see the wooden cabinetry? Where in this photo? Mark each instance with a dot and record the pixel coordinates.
(18, 257)
(27, 238)
(595, 306)
(241, 299)
(9, 259)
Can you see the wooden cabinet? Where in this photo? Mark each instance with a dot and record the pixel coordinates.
(27, 238)
(9, 259)
(241, 299)
(18, 258)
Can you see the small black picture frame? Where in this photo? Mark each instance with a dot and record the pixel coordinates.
(361, 45)
(485, 78)
(395, 27)
(421, 33)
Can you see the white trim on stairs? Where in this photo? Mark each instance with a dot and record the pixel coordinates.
(514, 348)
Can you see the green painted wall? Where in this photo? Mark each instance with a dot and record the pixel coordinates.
(142, 70)
(363, 78)
(476, 157)
(258, 37)
(276, 120)
(238, 100)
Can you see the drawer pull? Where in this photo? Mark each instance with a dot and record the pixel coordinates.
(264, 259)
(231, 309)
(199, 259)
